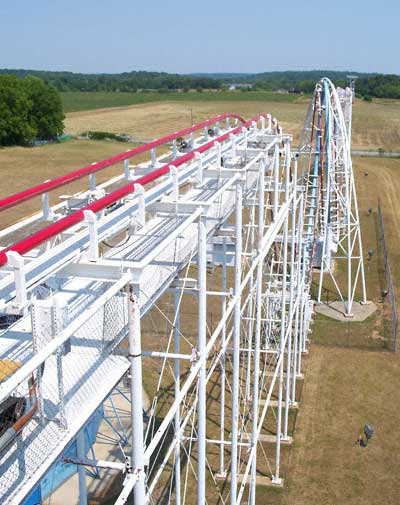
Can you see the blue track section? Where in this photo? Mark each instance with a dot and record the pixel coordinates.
(327, 141)
(313, 192)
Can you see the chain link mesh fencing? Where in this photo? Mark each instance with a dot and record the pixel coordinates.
(42, 413)
(388, 293)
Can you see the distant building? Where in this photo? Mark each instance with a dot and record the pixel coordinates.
(233, 87)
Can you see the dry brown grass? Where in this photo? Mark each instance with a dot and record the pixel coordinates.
(345, 388)
(349, 381)
(382, 181)
(7, 367)
(375, 125)
(155, 119)
(22, 167)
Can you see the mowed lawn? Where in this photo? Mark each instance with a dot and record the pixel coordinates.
(349, 381)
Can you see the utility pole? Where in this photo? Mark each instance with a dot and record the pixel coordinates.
(352, 79)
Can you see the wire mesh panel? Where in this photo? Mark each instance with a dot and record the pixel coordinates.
(63, 391)
(388, 293)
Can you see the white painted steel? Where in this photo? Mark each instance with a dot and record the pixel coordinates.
(331, 208)
(264, 315)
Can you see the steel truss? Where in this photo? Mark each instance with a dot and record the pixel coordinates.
(331, 212)
(201, 296)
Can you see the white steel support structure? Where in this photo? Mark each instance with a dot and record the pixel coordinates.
(283, 330)
(331, 209)
(222, 470)
(177, 374)
(257, 335)
(81, 469)
(236, 342)
(204, 302)
(292, 285)
(202, 394)
(136, 386)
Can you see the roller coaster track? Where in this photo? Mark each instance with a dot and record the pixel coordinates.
(187, 276)
(333, 225)
(40, 189)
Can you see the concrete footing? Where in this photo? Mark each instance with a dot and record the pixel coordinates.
(274, 403)
(269, 439)
(260, 480)
(337, 310)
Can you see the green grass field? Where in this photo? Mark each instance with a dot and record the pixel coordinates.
(79, 101)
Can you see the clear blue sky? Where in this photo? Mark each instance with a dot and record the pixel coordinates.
(200, 36)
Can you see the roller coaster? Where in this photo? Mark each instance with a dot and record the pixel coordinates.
(188, 278)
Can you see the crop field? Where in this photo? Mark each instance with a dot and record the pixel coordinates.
(350, 378)
(79, 101)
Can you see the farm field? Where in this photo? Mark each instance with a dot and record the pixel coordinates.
(349, 379)
(79, 101)
(153, 120)
(376, 125)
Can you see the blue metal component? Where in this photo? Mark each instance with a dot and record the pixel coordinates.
(60, 472)
(314, 177)
(35, 498)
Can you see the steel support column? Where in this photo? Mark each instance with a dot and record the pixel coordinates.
(177, 374)
(202, 395)
(236, 344)
(136, 389)
(257, 336)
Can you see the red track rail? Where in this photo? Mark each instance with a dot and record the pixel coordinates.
(27, 244)
(17, 198)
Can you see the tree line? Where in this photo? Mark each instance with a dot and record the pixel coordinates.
(367, 85)
(125, 82)
(31, 107)
(30, 110)
(379, 86)
(372, 85)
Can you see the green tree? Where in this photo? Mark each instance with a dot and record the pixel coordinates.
(46, 111)
(16, 126)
